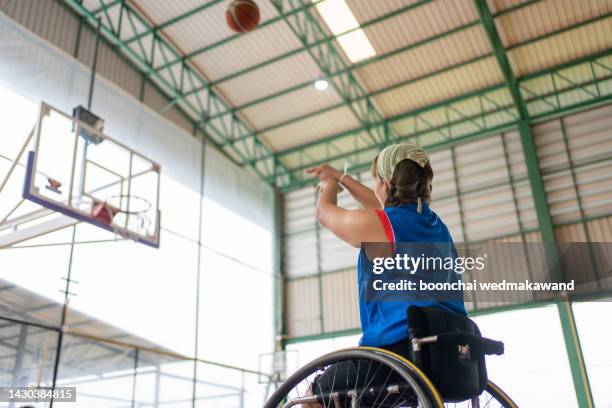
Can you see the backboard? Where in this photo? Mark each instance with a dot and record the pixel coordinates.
(78, 171)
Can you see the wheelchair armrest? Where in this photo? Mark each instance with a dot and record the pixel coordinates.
(484, 345)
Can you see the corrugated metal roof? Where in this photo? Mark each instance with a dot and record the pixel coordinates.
(251, 49)
(545, 17)
(310, 129)
(440, 87)
(564, 47)
(291, 105)
(257, 84)
(414, 25)
(416, 65)
(499, 5)
(420, 61)
(368, 9)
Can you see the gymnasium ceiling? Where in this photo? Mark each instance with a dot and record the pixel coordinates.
(444, 71)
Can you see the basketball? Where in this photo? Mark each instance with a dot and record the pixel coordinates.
(242, 15)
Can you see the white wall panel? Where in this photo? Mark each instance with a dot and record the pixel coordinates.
(340, 300)
(301, 254)
(335, 253)
(300, 235)
(303, 312)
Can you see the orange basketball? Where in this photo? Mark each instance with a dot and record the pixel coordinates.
(242, 15)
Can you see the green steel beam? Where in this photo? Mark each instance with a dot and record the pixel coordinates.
(574, 354)
(501, 56)
(524, 128)
(309, 31)
(545, 223)
(106, 6)
(575, 186)
(547, 232)
(199, 107)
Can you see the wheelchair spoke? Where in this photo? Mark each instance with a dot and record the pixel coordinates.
(383, 388)
(369, 382)
(384, 399)
(400, 400)
(485, 400)
(332, 385)
(488, 402)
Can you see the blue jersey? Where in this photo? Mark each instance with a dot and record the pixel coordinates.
(385, 323)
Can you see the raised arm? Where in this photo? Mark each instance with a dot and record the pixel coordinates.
(362, 194)
(351, 226)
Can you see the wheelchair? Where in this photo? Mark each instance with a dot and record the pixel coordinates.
(446, 369)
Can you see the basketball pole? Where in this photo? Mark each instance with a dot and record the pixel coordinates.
(68, 279)
(92, 81)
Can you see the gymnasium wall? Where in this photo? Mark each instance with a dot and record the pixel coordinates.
(482, 192)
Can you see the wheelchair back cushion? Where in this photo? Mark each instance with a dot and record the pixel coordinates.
(458, 371)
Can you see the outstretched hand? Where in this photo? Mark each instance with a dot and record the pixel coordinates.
(324, 171)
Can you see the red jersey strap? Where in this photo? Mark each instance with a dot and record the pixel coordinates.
(386, 223)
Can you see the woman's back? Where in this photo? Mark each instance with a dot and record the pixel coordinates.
(384, 322)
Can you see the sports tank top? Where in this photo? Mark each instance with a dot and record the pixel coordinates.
(385, 323)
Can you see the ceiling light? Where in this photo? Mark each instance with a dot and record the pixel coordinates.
(356, 45)
(340, 19)
(337, 15)
(321, 84)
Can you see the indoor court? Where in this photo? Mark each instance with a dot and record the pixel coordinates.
(184, 218)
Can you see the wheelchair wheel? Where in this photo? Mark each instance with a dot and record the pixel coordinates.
(381, 379)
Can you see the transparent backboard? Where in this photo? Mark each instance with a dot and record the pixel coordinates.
(80, 172)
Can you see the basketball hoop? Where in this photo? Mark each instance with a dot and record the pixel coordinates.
(126, 214)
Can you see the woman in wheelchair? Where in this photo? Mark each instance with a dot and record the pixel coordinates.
(396, 210)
